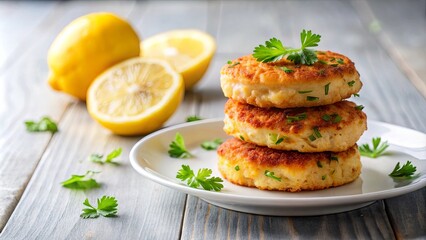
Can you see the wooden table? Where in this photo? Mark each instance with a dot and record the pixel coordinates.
(386, 39)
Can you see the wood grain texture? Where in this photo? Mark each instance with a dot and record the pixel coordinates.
(148, 210)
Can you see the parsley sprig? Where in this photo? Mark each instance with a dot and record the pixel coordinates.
(211, 145)
(274, 50)
(272, 175)
(107, 207)
(44, 125)
(202, 178)
(377, 150)
(98, 158)
(178, 148)
(406, 171)
(81, 182)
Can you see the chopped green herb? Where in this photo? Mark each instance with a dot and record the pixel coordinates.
(312, 138)
(297, 117)
(323, 177)
(326, 88)
(107, 207)
(274, 50)
(377, 150)
(326, 117)
(81, 181)
(351, 83)
(233, 65)
(336, 118)
(229, 62)
(212, 145)
(237, 168)
(303, 92)
(193, 118)
(334, 158)
(319, 164)
(406, 171)
(275, 138)
(340, 61)
(44, 125)
(178, 149)
(311, 98)
(202, 178)
(272, 175)
(334, 65)
(242, 138)
(332, 59)
(320, 53)
(321, 72)
(317, 132)
(359, 107)
(322, 62)
(356, 95)
(287, 70)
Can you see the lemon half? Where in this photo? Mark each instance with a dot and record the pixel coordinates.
(189, 51)
(136, 96)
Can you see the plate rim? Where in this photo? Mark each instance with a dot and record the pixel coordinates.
(268, 201)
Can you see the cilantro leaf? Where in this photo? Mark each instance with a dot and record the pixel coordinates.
(193, 118)
(406, 171)
(202, 178)
(212, 145)
(81, 182)
(377, 149)
(44, 125)
(178, 148)
(274, 50)
(97, 158)
(107, 207)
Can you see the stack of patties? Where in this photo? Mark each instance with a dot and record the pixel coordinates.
(292, 128)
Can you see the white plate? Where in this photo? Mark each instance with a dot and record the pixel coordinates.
(150, 158)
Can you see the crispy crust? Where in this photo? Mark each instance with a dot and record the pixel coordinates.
(298, 171)
(265, 126)
(268, 85)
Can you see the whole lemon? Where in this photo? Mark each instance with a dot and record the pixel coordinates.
(86, 47)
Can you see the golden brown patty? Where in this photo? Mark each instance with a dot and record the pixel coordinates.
(246, 164)
(334, 127)
(329, 80)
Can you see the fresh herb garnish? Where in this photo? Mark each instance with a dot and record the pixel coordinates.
(334, 158)
(326, 88)
(273, 50)
(351, 83)
(334, 65)
(272, 175)
(233, 65)
(286, 70)
(237, 168)
(340, 61)
(317, 132)
(229, 62)
(44, 125)
(212, 145)
(312, 138)
(297, 117)
(81, 181)
(303, 92)
(356, 95)
(109, 158)
(326, 117)
(322, 61)
(178, 148)
(276, 139)
(323, 177)
(332, 59)
(311, 98)
(193, 118)
(406, 171)
(242, 138)
(336, 118)
(376, 151)
(201, 179)
(359, 107)
(107, 207)
(319, 164)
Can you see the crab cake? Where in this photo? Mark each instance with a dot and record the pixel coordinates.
(335, 127)
(249, 165)
(283, 84)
